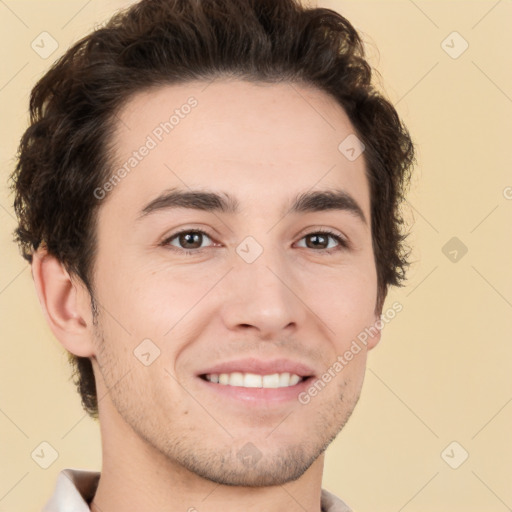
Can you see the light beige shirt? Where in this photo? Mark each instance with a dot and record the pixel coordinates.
(75, 489)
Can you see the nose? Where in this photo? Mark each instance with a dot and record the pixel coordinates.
(263, 296)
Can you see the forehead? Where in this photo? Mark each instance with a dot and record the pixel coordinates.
(262, 143)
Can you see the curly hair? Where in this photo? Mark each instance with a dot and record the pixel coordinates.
(63, 155)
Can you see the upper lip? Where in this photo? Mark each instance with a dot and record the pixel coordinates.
(258, 366)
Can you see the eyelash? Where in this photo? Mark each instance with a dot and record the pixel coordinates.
(343, 244)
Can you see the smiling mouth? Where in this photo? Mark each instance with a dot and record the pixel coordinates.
(254, 380)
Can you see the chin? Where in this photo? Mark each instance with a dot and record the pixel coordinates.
(251, 468)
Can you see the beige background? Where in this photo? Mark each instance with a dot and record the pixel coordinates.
(442, 372)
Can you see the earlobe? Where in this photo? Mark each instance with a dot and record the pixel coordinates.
(375, 333)
(62, 306)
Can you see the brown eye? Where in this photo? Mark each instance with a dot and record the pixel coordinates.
(187, 240)
(317, 241)
(320, 241)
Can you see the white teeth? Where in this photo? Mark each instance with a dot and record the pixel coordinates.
(271, 381)
(236, 379)
(284, 380)
(253, 380)
(294, 379)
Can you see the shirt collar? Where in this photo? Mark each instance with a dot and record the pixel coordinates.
(75, 489)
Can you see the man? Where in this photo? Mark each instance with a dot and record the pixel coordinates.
(208, 194)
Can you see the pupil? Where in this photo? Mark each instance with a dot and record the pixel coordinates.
(188, 238)
(315, 239)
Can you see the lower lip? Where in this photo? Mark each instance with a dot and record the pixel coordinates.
(259, 396)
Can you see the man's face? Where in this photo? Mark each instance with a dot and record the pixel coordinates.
(261, 292)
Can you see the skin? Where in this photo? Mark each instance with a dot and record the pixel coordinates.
(167, 443)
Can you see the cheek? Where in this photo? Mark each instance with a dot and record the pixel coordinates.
(152, 318)
(148, 303)
(345, 301)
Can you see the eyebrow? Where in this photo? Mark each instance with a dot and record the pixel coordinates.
(314, 201)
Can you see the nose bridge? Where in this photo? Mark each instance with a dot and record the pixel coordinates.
(260, 287)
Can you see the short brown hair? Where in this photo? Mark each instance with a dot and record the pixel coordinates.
(63, 155)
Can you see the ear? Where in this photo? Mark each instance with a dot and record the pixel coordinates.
(374, 333)
(376, 329)
(65, 304)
